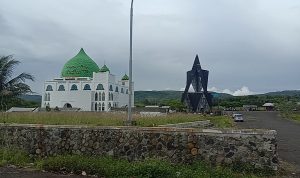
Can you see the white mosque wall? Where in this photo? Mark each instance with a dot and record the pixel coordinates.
(77, 99)
(116, 93)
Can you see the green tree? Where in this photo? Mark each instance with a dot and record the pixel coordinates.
(12, 86)
(174, 104)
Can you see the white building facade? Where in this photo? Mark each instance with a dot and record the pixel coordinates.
(85, 86)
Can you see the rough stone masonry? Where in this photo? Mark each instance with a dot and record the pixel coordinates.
(178, 145)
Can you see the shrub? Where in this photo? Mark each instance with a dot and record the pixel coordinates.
(13, 156)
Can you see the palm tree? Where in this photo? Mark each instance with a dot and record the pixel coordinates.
(11, 86)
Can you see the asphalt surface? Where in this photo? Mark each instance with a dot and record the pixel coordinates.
(288, 133)
(11, 172)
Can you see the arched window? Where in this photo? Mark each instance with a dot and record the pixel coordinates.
(45, 97)
(103, 107)
(87, 87)
(96, 106)
(117, 89)
(74, 87)
(126, 91)
(96, 97)
(112, 97)
(100, 97)
(99, 107)
(111, 88)
(61, 88)
(48, 97)
(122, 90)
(103, 96)
(99, 87)
(109, 105)
(49, 88)
(109, 97)
(67, 105)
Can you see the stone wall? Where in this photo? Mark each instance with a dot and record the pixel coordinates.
(179, 145)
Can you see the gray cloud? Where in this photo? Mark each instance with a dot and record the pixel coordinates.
(242, 43)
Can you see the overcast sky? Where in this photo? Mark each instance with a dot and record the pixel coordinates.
(249, 46)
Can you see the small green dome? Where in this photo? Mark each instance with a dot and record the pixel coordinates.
(125, 77)
(104, 69)
(80, 66)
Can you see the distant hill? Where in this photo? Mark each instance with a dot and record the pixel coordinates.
(158, 96)
(284, 93)
(34, 98)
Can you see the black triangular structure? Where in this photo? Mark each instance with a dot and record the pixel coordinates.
(200, 100)
(196, 62)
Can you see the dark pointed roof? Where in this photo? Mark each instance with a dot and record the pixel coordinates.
(196, 62)
(125, 77)
(104, 69)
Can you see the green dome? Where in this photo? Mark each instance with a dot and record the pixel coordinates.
(125, 77)
(80, 66)
(104, 69)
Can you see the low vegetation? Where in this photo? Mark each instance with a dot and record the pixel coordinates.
(290, 110)
(13, 156)
(111, 167)
(107, 119)
(295, 117)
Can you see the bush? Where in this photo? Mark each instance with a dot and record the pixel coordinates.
(13, 156)
(152, 169)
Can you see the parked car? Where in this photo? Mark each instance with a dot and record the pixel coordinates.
(233, 115)
(238, 118)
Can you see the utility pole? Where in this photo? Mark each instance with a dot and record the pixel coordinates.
(130, 68)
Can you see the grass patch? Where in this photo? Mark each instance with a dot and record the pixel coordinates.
(108, 119)
(14, 156)
(295, 117)
(111, 167)
(291, 115)
(222, 121)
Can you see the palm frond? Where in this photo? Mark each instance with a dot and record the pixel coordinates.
(9, 86)
(7, 65)
(20, 79)
(19, 89)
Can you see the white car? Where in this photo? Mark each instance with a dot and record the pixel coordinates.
(238, 118)
(233, 115)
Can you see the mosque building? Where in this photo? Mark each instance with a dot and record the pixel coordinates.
(85, 86)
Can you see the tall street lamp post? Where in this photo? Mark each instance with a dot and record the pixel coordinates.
(130, 68)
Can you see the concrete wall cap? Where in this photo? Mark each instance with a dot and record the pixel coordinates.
(150, 129)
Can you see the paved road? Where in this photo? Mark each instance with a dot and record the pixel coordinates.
(7, 172)
(288, 133)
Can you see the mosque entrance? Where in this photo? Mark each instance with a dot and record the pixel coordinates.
(68, 105)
